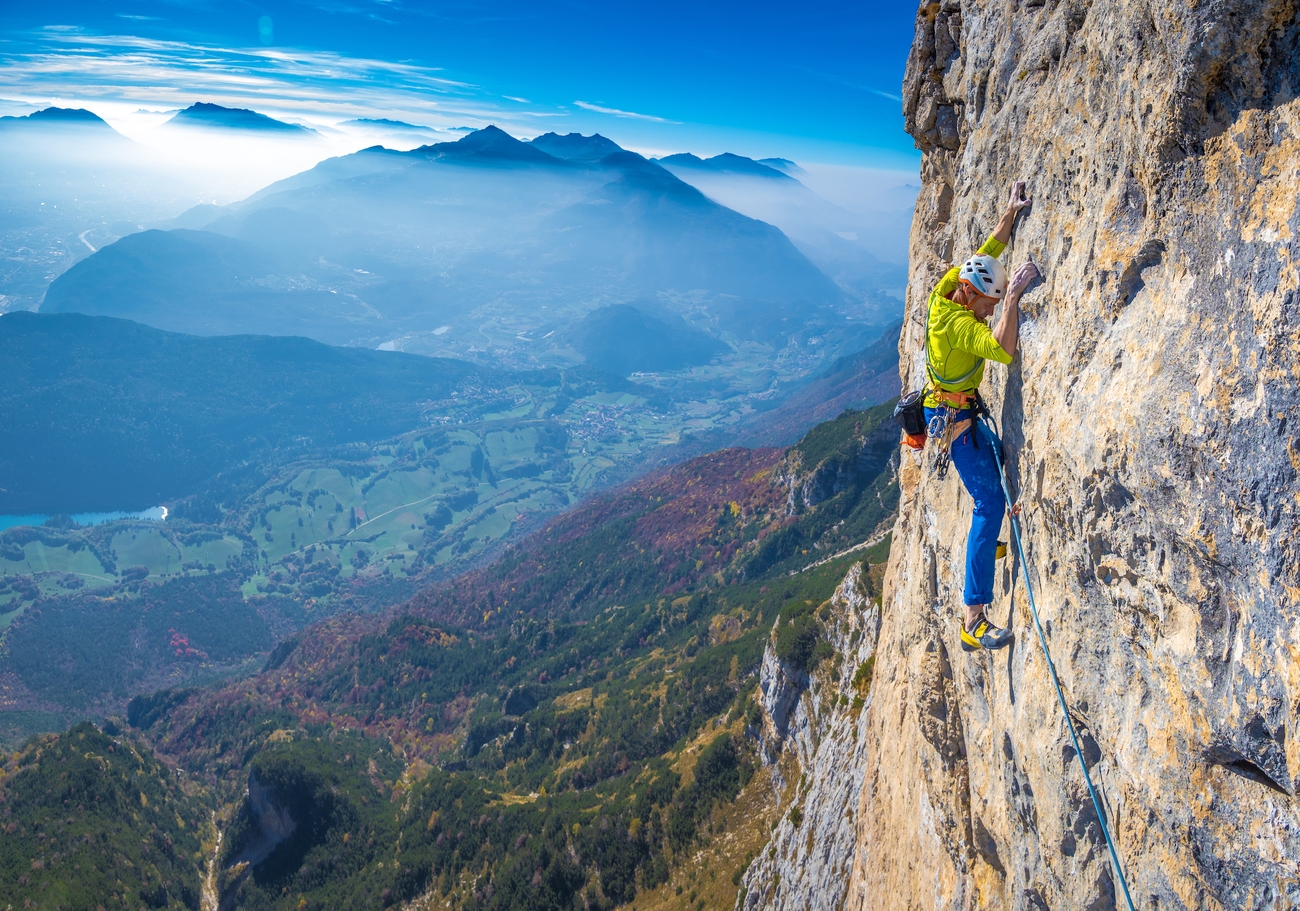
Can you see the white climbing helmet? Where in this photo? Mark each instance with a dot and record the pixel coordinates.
(985, 274)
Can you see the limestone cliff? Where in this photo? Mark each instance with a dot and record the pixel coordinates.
(821, 721)
(1150, 427)
(272, 822)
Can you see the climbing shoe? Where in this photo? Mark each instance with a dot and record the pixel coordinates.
(983, 634)
(1002, 549)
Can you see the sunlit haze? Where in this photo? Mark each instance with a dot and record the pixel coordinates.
(813, 83)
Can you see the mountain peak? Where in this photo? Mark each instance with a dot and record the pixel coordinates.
(56, 125)
(784, 165)
(66, 115)
(204, 114)
(727, 162)
(384, 122)
(489, 136)
(576, 147)
(60, 117)
(491, 142)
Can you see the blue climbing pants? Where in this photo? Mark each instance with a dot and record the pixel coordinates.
(978, 471)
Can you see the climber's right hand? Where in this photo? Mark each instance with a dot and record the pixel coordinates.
(1018, 198)
(1020, 279)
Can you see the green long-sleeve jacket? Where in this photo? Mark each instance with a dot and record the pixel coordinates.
(956, 342)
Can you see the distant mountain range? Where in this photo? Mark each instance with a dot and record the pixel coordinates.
(393, 133)
(202, 115)
(784, 165)
(457, 248)
(57, 119)
(384, 123)
(726, 163)
(827, 234)
(485, 241)
(576, 147)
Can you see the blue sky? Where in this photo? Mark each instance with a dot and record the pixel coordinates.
(815, 80)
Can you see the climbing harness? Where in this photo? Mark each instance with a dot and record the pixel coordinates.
(1014, 509)
(910, 411)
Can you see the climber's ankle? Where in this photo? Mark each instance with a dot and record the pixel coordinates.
(973, 613)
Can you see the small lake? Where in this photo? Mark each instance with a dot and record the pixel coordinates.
(157, 514)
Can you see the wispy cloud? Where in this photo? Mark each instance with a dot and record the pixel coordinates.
(71, 63)
(850, 83)
(615, 112)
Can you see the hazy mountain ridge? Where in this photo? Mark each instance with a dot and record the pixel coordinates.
(575, 146)
(827, 234)
(56, 120)
(203, 115)
(106, 414)
(726, 163)
(482, 230)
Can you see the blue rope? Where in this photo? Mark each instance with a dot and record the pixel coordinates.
(994, 444)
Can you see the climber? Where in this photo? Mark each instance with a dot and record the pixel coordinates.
(958, 341)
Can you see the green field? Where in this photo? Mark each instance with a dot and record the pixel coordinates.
(431, 499)
(487, 467)
(40, 558)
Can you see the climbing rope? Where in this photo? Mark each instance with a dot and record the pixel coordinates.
(995, 444)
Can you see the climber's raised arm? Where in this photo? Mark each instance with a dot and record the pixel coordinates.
(1017, 202)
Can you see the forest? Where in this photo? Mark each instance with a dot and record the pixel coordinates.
(563, 725)
(154, 413)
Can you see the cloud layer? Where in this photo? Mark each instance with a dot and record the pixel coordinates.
(127, 72)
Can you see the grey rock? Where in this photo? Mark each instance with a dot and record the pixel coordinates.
(806, 865)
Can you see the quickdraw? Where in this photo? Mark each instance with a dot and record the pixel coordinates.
(940, 430)
(942, 427)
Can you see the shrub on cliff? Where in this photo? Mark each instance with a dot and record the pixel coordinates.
(799, 640)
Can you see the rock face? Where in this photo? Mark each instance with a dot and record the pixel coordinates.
(1150, 422)
(273, 821)
(823, 723)
(809, 485)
